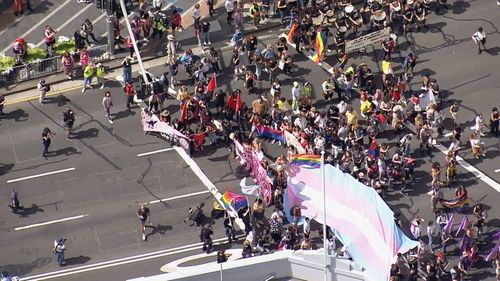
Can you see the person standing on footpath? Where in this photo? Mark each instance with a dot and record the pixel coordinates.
(205, 33)
(127, 69)
(43, 88)
(46, 140)
(107, 103)
(68, 64)
(210, 4)
(196, 15)
(144, 216)
(16, 206)
(18, 7)
(58, 250)
(130, 92)
(88, 27)
(68, 120)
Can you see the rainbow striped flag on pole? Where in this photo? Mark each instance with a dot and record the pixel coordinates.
(230, 198)
(319, 46)
(306, 160)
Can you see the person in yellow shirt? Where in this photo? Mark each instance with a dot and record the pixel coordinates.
(88, 73)
(352, 117)
(182, 95)
(365, 107)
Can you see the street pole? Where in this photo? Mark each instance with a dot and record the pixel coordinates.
(109, 28)
(325, 243)
(134, 43)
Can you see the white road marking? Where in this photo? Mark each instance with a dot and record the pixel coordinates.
(40, 22)
(497, 170)
(70, 20)
(50, 222)
(120, 261)
(154, 152)
(178, 197)
(41, 175)
(206, 181)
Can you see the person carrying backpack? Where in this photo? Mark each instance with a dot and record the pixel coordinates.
(58, 250)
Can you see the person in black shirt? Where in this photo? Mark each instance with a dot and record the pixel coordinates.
(407, 19)
(354, 18)
(341, 24)
(421, 16)
(144, 216)
(205, 237)
(339, 40)
(205, 32)
(46, 139)
(222, 256)
(250, 44)
(68, 120)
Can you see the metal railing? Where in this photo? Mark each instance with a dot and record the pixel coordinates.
(50, 66)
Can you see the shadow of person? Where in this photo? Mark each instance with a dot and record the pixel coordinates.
(160, 228)
(76, 260)
(123, 114)
(26, 212)
(67, 151)
(17, 115)
(86, 134)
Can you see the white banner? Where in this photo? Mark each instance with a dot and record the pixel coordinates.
(291, 140)
(366, 40)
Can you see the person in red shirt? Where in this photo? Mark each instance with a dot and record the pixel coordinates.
(130, 92)
(395, 94)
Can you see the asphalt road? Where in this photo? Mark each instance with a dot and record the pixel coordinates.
(109, 179)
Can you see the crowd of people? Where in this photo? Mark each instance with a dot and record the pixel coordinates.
(350, 137)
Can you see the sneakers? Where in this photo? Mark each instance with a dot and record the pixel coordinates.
(102, 87)
(83, 90)
(110, 121)
(69, 77)
(144, 237)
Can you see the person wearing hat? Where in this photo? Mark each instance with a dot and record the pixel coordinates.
(158, 27)
(58, 250)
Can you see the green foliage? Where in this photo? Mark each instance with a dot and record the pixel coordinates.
(6, 63)
(62, 47)
(35, 53)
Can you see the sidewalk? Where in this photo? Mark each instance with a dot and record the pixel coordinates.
(60, 84)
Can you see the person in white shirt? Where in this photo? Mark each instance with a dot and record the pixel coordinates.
(42, 89)
(196, 15)
(307, 227)
(480, 39)
(295, 96)
(479, 123)
(230, 10)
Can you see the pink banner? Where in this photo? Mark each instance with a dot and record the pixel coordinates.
(250, 161)
(153, 124)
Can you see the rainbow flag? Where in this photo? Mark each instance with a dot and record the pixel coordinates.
(457, 204)
(230, 198)
(319, 46)
(307, 160)
(292, 32)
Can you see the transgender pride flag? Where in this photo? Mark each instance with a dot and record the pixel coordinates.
(363, 220)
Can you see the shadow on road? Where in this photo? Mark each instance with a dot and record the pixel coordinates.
(77, 260)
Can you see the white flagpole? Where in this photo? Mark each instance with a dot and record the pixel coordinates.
(325, 243)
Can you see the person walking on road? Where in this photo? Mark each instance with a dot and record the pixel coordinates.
(127, 69)
(494, 121)
(43, 88)
(205, 237)
(18, 7)
(68, 121)
(144, 216)
(107, 103)
(88, 72)
(210, 4)
(89, 30)
(130, 92)
(58, 250)
(480, 39)
(14, 200)
(46, 140)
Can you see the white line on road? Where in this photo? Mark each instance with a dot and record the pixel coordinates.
(154, 152)
(70, 20)
(497, 170)
(40, 22)
(50, 222)
(178, 197)
(41, 175)
(120, 261)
